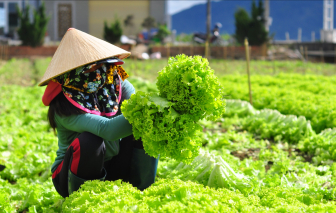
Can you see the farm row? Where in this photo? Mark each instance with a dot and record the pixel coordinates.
(275, 156)
(302, 95)
(252, 160)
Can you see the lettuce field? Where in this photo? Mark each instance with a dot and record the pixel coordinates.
(277, 155)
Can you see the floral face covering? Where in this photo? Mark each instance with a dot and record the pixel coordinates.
(94, 88)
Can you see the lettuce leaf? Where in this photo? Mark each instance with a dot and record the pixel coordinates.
(163, 131)
(191, 85)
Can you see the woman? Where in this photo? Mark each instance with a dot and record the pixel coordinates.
(95, 140)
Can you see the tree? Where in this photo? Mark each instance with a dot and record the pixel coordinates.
(252, 27)
(113, 33)
(148, 23)
(32, 33)
(162, 33)
(242, 20)
(128, 23)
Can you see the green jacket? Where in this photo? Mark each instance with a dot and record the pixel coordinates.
(110, 129)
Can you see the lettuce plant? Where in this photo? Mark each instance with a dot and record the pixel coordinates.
(192, 86)
(163, 131)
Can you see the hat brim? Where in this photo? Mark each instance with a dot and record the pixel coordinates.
(78, 49)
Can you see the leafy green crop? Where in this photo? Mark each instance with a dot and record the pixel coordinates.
(239, 108)
(26, 195)
(209, 170)
(322, 146)
(191, 85)
(163, 131)
(272, 124)
(178, 196)
(291, 94)
(167, 124)
(282, 177)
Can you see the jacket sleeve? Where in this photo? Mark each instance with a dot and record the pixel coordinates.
(110, 129)
(127, 90)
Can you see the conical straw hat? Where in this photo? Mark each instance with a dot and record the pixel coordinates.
(77, 49)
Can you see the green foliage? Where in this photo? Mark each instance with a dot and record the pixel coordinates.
(187, 85)
(301, 95)
(272, 124)
(162, 33)
(209, 170)
(27, 150)
(27, 145)
(239, 108)
(242, 20)
(113, 32)
(148, 23)
(192, 86)
(184, 37)
(252, 27)
(178, 196)
(321, 146)
(33, 196)
(128, 22)
(283, 176)
(163, 131)
(32, 33)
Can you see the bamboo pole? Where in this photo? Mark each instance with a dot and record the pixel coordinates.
(248, 68)
(302, 53)
(168, 51)
(207, 52)
(191, 50)
(306, 52)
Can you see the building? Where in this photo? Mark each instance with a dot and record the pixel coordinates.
(328, 33)
(87, 16)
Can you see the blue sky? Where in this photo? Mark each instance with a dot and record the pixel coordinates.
(175, 6)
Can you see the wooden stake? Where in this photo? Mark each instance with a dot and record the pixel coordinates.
(191, 50)
(302, 53)
(306, 53)
(207, 50)
(248, 68)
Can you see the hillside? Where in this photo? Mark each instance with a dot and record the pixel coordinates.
(287, 16)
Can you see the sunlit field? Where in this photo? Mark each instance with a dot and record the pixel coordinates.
(275, 155)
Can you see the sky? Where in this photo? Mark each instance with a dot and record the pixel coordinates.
(175, 6)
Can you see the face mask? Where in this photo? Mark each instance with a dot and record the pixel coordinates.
(85, 80)
(94, 89)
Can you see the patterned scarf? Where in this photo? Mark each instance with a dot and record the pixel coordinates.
(94, 88)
